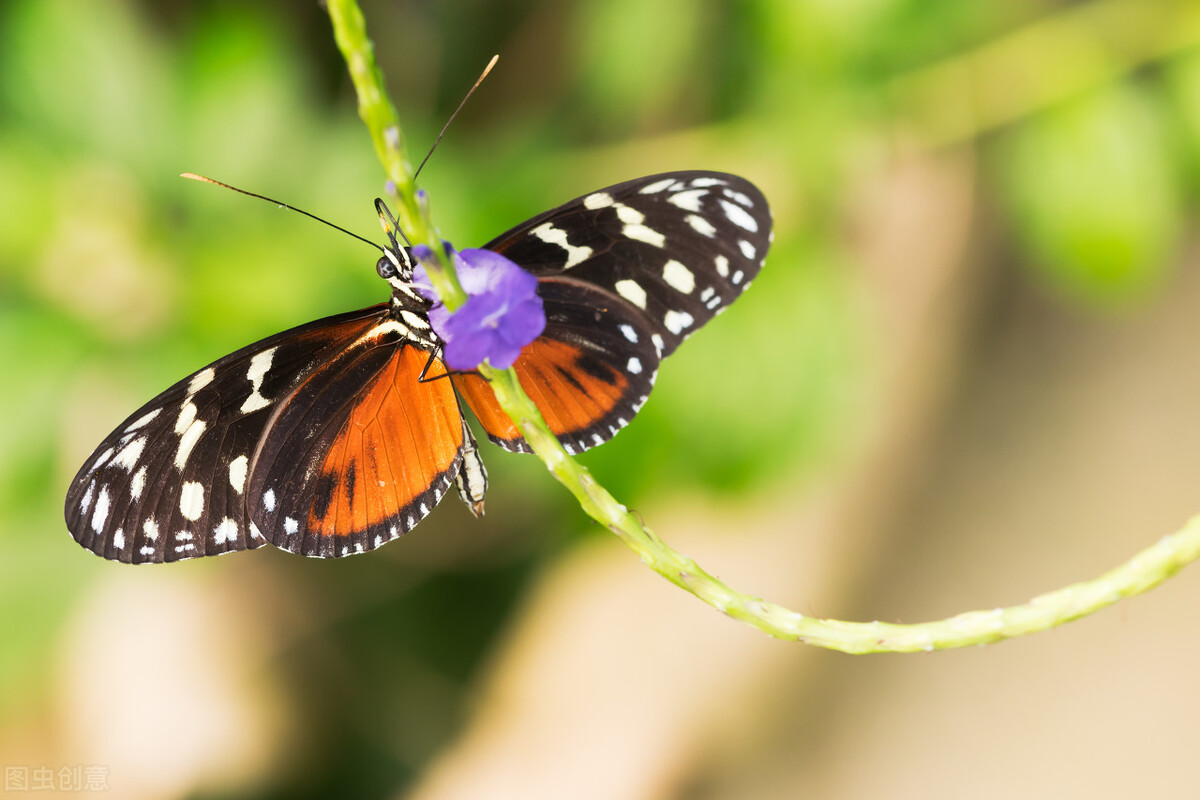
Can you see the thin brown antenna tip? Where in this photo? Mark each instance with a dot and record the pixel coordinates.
(462, 103)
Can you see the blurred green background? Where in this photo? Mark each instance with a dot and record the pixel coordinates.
(1065, 138)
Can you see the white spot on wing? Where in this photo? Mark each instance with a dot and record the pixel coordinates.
(227, 531)
(188, 440)
(103, 459)
(689, 200)
(237, 473)
(701, 225)
(737, 277)
(86, 501)
(722, 264)
(657, 186)
(130, 453)
(187, 415)
(634, 366)
(632, 291)
(629, 215)
(259, 365)
(552, 235)
(100, 515)
(137, 484)
(119, 539)
(142, 420)
(598, 200)
(629, 333)
(679, 277)
(707, 182)
(269, 500)
(191, 500)
(290, 526)
(676, 321)
(201, 379)
(643, 234)
(738, 197)
(147, 550)
(150, 528)
(747, 249)
(738, 216)
(658, 344)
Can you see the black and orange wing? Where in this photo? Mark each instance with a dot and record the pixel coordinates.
(588, 373)
(359, 453)
(171, 481)
(626, 274)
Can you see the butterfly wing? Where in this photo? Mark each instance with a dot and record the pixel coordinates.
(359, 453)
(588, 373)
(177, 479)
(169, 482)
(626, 274)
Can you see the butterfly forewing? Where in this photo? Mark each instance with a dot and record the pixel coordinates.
(679, 246)
(171, 481)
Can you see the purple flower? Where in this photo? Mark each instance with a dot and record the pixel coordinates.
(503, 312)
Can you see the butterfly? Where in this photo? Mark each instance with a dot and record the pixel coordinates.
(337, 436)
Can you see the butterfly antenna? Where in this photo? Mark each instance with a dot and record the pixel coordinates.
(195, 177)
(478, 81)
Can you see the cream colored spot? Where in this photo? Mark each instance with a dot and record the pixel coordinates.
(191, 501)
(632, 291)
(679, 277)
(552, 235)
(597, 200)
(701, 225)
(201, 379)
(676, 321)
(237, 473)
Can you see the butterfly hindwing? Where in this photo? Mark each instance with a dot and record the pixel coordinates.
(170, 482)
(359, 453)
(588, 373)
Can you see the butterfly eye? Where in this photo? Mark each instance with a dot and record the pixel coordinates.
(386, 268)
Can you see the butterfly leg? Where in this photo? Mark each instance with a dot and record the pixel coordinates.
(436, 355)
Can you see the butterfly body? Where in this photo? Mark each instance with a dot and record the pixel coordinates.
(340, 435)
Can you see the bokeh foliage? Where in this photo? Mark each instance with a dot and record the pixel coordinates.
(116, 277)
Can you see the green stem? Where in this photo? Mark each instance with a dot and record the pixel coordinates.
(1141, 573)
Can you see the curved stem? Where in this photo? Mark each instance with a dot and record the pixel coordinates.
(1141, 573)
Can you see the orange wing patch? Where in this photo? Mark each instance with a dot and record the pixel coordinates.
(579, 395)
(398, 444)
(358, 454)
